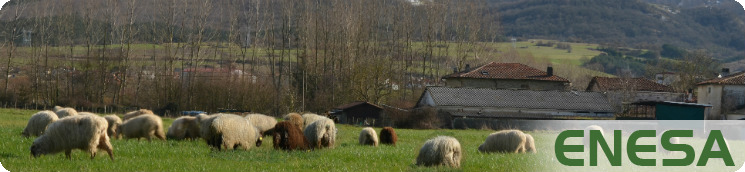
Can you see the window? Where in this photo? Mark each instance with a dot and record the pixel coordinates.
(709, 89)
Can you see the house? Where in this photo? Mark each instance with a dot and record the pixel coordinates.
(500, 104)
(726, 94)
(623, 92)
(358, 112)
(506, 76)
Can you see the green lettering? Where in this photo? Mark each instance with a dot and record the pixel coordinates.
(596, 138)
(687, 149)
(633, 148)
(706, 154)
(561, 148)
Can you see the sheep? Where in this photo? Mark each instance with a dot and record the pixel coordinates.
(185, 127)
(228, 130)
(388, 136)
(368, 136)
(83, 132)
(505, 141)
(64, 112)
(586, 139)
(87, 113)
(673, 140)
(132, 114)
(530, 144)
(114, 124)
(296, 120)
(309, 118)
(57, 108)
(146, 126)
(441, 150)
(264, 123)
(287, 136)
(321, 133)
(38, 123)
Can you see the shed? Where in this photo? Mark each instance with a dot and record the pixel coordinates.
(681, 111)
(358, 112)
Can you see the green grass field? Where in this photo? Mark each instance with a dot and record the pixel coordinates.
(132, 155)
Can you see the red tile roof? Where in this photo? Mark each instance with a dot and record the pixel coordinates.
(638, 84)
(495, 70)
(734, 79)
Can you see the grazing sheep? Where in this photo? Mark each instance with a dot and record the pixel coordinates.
(132, 114)
(388, 136)
(309, 118)
(114, 123)
(57, 108)
(441, 150)
(530, 144)
(321, 133)
(368, 136)
(262, 122)
(185, 127)
(38, 123)
(287, 136)
(228, 131)
(64, 112)
(586, 139)
(87, 113)
(83, 132)
(673, 140)
(146, 126)
(505, 141)
(296, 120)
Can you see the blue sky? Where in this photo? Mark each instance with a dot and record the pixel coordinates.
(742, 2)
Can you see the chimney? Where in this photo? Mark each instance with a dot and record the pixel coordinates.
(550, 71)
(725, 72)
(468, 67)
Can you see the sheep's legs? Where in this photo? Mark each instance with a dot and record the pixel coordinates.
(67, 154)
(103, 143)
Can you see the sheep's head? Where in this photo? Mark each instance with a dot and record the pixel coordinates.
(36, 150)
(259, 141)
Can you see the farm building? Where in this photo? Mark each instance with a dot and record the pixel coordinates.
(666, 110)
(359, 112)
(500, 104)
(622, 93)
(506, 76)
(726, 94)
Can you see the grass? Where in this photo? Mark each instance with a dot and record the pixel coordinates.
(132, 155)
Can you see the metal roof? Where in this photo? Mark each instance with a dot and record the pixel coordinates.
(568, 101)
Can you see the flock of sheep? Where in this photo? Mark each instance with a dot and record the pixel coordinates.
(64, 129)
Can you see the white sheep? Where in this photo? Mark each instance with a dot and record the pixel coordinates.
(505, 141)
(228, 131)
(114, 124)
(368, 136)
(262, 122)
(586, 139)
(38, 123)
(83, 132)
(309, 118)
(132, 114)
(441, 150)
(146, 126)
(87, 113)
(64, 112)
(321, 133)
(530, 144)
(185, 127)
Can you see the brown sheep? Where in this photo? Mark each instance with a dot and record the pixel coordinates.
(388, 136)
(287, 136)
(296, 120)
(132, 114)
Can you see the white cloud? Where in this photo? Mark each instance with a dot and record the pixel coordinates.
(2, 2)
(742, 3)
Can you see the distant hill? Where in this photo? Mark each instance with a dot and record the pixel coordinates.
(715, 25)
(628, 23)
